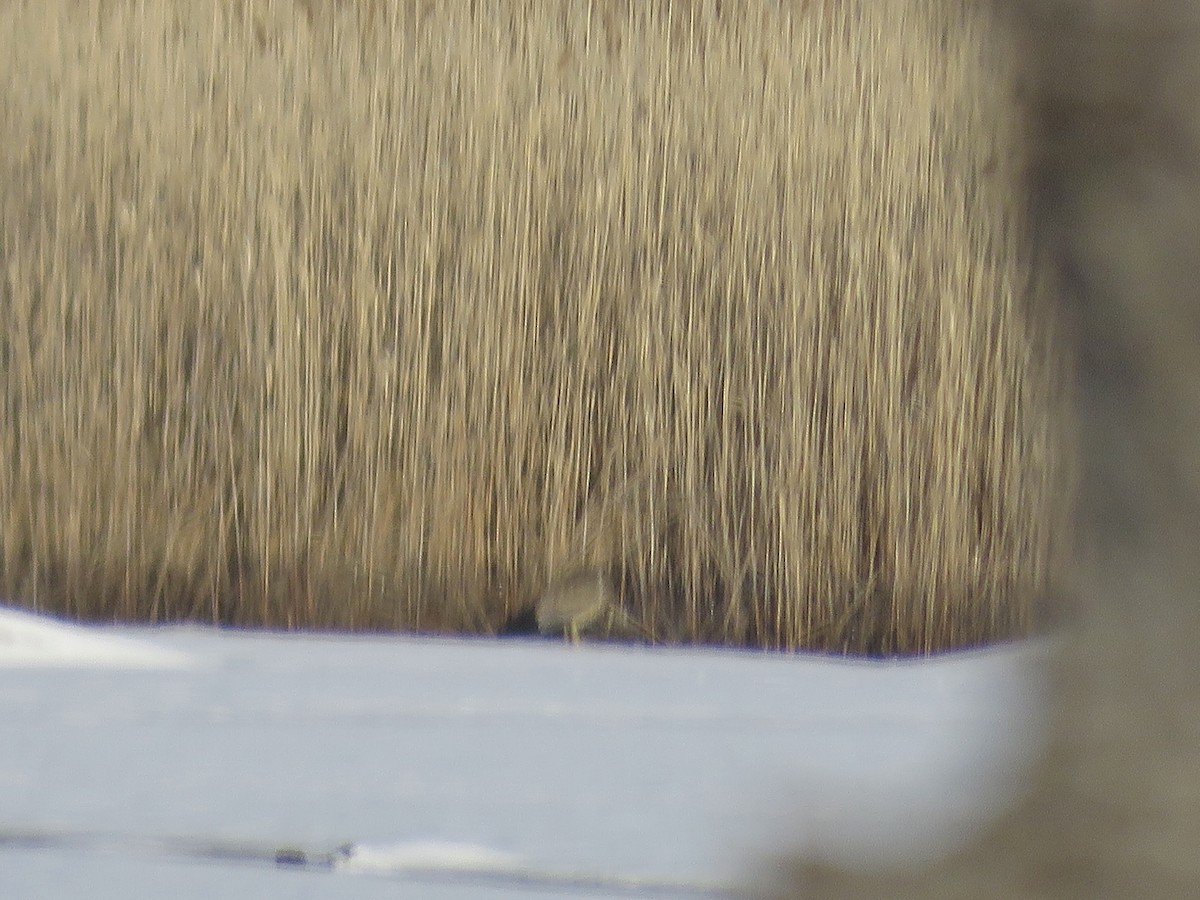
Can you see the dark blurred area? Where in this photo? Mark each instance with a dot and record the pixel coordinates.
(1113, 92)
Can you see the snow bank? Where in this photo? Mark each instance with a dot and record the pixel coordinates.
(461, 769)
(426, 856)
(28, 640)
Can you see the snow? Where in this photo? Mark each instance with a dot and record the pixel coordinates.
(426, 856)
(137, 761)
(27, 640)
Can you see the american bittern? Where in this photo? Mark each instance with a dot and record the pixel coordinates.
(573, 602)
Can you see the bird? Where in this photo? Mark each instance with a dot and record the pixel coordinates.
(574, 601)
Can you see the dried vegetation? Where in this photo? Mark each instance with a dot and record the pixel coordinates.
(338, 314)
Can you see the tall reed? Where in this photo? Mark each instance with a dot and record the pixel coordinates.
(336, 314)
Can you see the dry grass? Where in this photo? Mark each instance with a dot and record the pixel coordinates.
(343, 314)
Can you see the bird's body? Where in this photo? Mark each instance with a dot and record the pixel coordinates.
(573, 602)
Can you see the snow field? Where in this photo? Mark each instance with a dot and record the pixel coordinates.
(479, 768)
